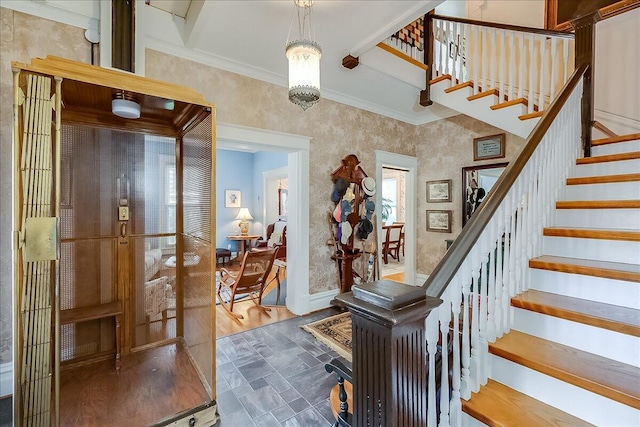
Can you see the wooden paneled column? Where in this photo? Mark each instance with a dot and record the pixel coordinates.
(585, 30)
(389, 353)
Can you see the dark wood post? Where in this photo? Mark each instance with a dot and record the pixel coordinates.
(585, 30)
(425, 95)
(123, 35)
(389, 353)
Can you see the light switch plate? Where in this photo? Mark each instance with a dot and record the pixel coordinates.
(123, 213)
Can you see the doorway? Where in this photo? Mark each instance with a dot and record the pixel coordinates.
(393, 215)
(396, 174)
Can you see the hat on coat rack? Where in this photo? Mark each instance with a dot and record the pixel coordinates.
(346, 209)
(369, 186)
(369, 207)
(339, 188)
(349, 195)
(337, 212)
(346, 232)
(365, 227)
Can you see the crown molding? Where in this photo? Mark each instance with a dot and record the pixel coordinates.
(44, 10)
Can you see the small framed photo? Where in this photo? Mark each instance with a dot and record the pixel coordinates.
(439, 221)
(439, 191)
(232, 198)
(489, 147)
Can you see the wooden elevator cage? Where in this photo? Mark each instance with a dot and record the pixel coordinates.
(53, 96)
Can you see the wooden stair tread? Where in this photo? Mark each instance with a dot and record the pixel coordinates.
(604, 179)
(483, 94)
(598, 204)
(592, 233)
(440, 78)
(606, 377)
(531, 115)
(499, 405)
(459, 86)
(517, 101)
(607, 316)
(587, 267)
(613, 140)
(608, 158)
(402, 55)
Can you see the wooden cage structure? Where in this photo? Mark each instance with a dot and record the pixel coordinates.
(113, 220)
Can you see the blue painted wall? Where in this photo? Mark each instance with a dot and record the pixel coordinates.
(237, 170)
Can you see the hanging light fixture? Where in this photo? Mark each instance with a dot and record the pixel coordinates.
(304, 60)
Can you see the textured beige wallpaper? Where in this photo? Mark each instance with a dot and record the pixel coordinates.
(442, 148)
(337, 130)
(22, 37)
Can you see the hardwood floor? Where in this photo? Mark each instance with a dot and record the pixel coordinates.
(151, 385)
(254, 316)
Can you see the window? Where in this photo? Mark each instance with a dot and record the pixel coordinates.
(389, 210)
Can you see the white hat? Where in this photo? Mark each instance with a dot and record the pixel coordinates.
(369, 186)
(346, 232)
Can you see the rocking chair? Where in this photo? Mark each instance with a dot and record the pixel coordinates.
(250, 280)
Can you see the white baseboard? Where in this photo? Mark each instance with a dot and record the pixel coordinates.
(6, 379)
(321, 300)
(619, 124)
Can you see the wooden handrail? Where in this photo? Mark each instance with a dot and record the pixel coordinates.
(439, 279)
(550, 33)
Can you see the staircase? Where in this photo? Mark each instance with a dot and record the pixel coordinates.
(572, 356)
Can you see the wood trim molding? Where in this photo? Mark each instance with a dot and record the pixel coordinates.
(402, 56)
(551, 11)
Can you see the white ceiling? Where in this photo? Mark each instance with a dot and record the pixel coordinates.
(249, 37)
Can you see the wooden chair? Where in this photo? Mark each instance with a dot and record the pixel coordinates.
(250, 279)
(401, 236)
(392, 242)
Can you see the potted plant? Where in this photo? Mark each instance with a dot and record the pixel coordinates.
(385, 210)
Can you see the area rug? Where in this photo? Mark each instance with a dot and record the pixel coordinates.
(334, 332)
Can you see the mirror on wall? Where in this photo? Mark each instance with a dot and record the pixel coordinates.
(476, 183)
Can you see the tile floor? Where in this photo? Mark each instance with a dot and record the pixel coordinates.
(269, 376)
(274, 376)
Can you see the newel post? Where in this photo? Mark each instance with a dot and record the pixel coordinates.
(389, 353)
(585, 31)
(425, 95)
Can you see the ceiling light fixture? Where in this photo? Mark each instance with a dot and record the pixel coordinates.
(304, 59)
(125, 105)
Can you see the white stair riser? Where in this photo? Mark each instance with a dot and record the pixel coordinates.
(607, 168)
(595, 249)
(573, 400)
(608, 191)
(607, 291)
(616, 148)
(612, 345)
(619, 219)
(469, 421)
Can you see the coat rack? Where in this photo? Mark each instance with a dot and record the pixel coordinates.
(352, 219)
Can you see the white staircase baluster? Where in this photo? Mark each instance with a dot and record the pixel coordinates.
(532, 71)
(442, 42)
(554, 70)
(543, 71)
(476, 59)
(491, 288)
(485, 59)
(503, 60)
(566, 60)
(466, 384)
(493, 54)
(455, 409)
(475, 313)
(482, 310)
(445, 321)
(521, 69)
(452, 53)
(512, 63)
(446, 42)
(431, 332)
(498, 323)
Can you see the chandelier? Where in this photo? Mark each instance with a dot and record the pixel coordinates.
(304, 60)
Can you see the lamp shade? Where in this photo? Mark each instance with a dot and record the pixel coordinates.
(244, 214)
(304, 72)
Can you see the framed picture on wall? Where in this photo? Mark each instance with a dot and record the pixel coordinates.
(439, 191)
(489, 147)
(232, 198)
(439, 221)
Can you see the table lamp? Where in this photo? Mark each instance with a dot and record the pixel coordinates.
(244, 216)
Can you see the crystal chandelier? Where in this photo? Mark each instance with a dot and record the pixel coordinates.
(304, 60)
